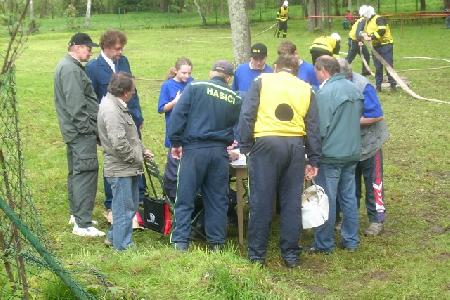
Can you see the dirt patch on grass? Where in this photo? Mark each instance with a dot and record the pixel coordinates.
(379, 275)
(319, 290)
(444, 256)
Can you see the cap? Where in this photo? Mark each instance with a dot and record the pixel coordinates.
(224, 67)
(81, 38)
(335, 36)
(285, 3)
(258, 50)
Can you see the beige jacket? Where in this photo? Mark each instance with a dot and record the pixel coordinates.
(119, 137)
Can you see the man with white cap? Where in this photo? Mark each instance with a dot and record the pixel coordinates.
(282, 18)
(355, 41)
(325, 45)
(377, 30)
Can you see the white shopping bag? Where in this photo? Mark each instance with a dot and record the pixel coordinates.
(315, 207)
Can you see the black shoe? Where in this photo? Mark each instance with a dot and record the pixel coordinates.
(393, 88)
(182, 247)
(259, 261)
(291, 263)
(379, 89)
(216, 247)
(314, 250)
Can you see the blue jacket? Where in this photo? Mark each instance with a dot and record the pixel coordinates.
(100, 74)
(205, 115)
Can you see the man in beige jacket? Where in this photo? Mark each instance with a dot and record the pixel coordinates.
(124, 157)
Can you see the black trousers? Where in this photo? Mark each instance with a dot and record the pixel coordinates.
(276, 170)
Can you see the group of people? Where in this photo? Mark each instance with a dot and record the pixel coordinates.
(276, 117)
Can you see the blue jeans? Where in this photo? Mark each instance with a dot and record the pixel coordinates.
(125, 203)
(338, 179)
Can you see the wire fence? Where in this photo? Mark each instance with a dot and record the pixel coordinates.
(29, 270)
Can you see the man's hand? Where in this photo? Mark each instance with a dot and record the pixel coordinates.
(233, 155)
(148, 154)
(310, 172)
(176, 152)
(366, 36)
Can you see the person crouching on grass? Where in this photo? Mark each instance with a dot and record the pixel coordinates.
(124, 156)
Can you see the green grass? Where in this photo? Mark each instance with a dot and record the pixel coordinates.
(410, 260)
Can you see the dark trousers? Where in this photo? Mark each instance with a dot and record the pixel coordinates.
(371, 171)
(205, 169)
(282, 27)
(387, 53)
(276, 170)
(170, 175)
(318, 52)
(82, 165)
(353, 50)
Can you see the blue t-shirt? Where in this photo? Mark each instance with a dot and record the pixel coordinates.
(372, 105)
(307, 73)
(169, 90)
(244, 76)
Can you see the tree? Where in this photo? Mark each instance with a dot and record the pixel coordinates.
(87, 21)
(316, 9)
(164, 5)
(423, 5)
(240, 30)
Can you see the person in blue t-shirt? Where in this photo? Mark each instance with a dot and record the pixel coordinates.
(179, 76)
(305, 69)
(246, 73)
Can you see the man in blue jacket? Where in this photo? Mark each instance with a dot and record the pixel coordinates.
(200, 129)
(100, 71)
(340, 105)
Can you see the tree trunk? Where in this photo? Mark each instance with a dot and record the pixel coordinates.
(200, 12)
(447, 4)
(251, 4)
(316, 8)
(240, 30)
(31, 11)
(164, 5)
(423, 5)
(87, 22)
(337, 8)
(43, 9)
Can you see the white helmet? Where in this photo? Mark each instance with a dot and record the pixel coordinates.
(315, 207)
(335, 36)
(285, 3)
(362, 10)
(370, 11)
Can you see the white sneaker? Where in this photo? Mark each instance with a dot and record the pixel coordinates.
(89, 231)
(72, 221)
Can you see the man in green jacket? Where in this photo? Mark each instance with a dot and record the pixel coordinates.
(76, 108)
(340, 104)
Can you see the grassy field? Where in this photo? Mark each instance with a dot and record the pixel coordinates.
(410, 260)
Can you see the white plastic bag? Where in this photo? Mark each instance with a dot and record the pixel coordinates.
(315, 207)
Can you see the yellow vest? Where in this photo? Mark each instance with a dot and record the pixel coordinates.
(284, 102)
(324, 42)
(282, 14)
(372, 28)
(352, 33)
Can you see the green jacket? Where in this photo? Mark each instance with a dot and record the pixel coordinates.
(340, 106)
(75, 100)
